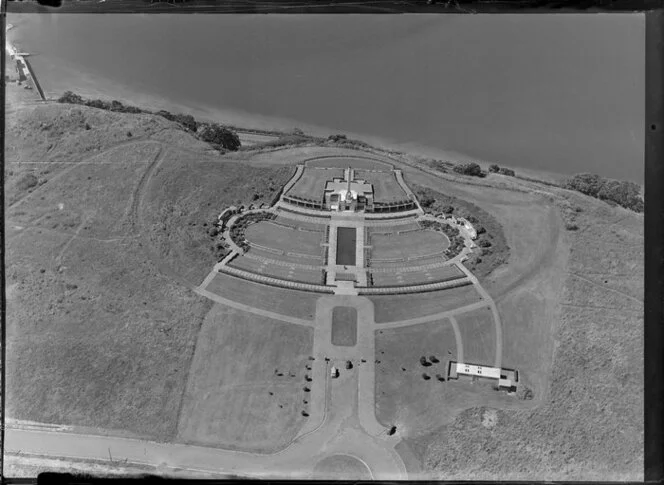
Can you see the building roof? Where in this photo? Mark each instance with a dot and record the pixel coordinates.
(355, 186)
(478, 370)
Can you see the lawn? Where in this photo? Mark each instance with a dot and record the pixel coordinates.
(403, 397)
(299, 304)
(408, 245)
(285, 239)
(344, 326)
(478, 335)
(234, 397)
(312, 183)
(442, 273)
(345, 162)
(385, 185)
(393, 308)
(291, 273)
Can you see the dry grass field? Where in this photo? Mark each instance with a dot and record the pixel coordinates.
(344, 326)
(393, 308)
(235, 398)
(91, 326)
(408, 245)
(299, 304)
(478, 335)
(285, 239)
(101, 325)
(182, 198)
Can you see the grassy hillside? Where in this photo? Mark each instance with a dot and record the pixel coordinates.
(589, 424)
(102, 322)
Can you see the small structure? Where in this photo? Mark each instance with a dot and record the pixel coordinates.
(334, 372)
(468, 227)
(348, 194)
(506, 378)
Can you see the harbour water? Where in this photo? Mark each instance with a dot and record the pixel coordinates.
(560, 93)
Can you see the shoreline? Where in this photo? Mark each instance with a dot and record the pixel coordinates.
(93, 86)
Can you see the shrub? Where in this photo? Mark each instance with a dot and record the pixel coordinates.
(484, 243)
(97, 103)
(337, 137)
(447, 209)
(69, 97)
(571, 227)
(525, 393)
(28, 181)
(129, 135)
(166, 114)
(187, 121)
(427, 201)
(87, 126)
(471, 169)
(493, 168)
(219, 135)
(507, 171)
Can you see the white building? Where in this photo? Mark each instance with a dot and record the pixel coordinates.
(506, 378)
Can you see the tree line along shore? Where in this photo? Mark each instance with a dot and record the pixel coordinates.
(224, 138)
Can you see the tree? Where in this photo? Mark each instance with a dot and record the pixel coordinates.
(622, 192)
(187, 121)
(447, 209)
(219, 135)
(507, 171)
(586, 183)
(493, 168)
(471, 169)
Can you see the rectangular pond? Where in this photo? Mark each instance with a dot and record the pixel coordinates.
(346, 238)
